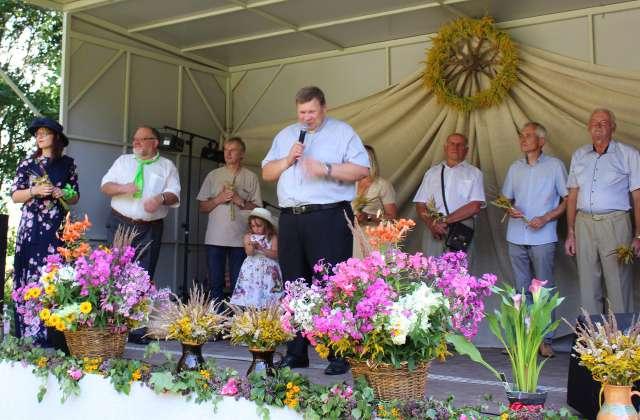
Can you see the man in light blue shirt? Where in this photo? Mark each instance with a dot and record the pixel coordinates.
(316, 163)
(536, 184)
(604, 185)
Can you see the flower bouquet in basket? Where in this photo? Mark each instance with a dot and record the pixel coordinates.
(262, 331)
(192, 324)
(92, 295)
(389, 313)
(613, 358)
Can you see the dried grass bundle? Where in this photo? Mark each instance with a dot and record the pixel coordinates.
(612, 355)
(124, 237)
(193, 322)
(360, 238)
(258, 328)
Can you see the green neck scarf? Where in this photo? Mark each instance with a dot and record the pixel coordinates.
(138, 180)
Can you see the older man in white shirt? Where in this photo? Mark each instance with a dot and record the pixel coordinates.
(604, 186)
(463, 194)
(142, 186)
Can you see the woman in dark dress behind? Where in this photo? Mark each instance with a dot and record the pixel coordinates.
(40, 181)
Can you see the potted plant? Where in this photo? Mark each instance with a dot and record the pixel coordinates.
(91, 295)
(261, 330)
(521, 328)
(389, 313)
(613, 358)
(192, 324)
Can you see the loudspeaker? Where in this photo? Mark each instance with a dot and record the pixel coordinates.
(583, 392)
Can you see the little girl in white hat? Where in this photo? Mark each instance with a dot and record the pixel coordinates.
(260, 279)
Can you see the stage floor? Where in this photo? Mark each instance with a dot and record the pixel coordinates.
(469, 382)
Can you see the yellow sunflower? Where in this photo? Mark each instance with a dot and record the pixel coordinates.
(85, 307)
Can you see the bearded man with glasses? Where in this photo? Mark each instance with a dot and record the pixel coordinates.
(142, 186)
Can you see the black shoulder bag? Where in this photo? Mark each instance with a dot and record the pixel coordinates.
(459, 235)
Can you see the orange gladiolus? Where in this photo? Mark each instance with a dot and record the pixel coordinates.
(74, 231)
(389, 232)
(82, 250)
(73, 235)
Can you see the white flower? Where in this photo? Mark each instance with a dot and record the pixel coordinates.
(66, 273)
(399, 326)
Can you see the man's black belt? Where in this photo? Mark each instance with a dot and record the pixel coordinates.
(131, 221)
(308, 208)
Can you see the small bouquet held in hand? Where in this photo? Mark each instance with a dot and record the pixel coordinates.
(503, 202)
(611, 355)
(624, 254)
(433, 213)
(258, 328)
(193, 323)
(68, 192)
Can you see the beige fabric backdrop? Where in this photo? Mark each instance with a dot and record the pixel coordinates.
(408, 127)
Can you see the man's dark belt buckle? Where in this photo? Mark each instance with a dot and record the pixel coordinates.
(299, 209)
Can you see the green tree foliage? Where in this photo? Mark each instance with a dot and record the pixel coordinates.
(30, 53)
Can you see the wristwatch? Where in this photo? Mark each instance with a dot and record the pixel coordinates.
(327, 169)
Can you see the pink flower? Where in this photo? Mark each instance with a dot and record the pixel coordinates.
(517, 300)
(75, 373)
(535, 287)
(230, 388)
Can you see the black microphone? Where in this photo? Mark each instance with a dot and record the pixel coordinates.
(302, 135)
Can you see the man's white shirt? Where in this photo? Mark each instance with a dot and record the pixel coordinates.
(159, 177)
(462, 185)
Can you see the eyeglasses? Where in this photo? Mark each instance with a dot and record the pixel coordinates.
(601, 124)
(144, 138)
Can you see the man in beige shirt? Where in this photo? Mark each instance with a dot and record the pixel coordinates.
(228, 194)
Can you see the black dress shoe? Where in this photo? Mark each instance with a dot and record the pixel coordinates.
(337, 366)
(137, 337)
(292, 362)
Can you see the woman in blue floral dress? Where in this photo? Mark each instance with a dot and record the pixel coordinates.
(42, 182)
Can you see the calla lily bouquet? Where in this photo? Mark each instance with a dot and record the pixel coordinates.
(521, 328)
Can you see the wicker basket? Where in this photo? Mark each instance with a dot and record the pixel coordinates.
(95, 342)
(391, 383)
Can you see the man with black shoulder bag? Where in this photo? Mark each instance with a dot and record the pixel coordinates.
(450, 196)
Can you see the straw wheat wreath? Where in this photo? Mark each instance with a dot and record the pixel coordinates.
(471, 64)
